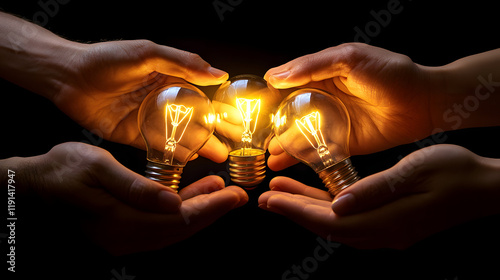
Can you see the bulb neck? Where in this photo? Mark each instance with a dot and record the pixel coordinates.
(169, 176)
(339, 176)
(248, 170)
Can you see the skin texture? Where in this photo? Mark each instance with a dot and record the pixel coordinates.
(101, 85)
(120, 210)
(428, 191)
(390, 99)
(393, 101)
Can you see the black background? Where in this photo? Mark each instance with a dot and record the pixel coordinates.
(249, 243)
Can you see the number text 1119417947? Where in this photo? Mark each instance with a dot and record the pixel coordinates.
(11, 219)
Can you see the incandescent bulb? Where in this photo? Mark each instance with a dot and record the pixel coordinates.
(313, 127)
(175, 121)
(245, 107)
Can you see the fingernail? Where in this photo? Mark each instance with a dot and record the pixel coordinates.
(281, 76)
(343, 204)
(217, 73)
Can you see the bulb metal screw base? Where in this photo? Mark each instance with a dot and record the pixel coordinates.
(247, 171)
(169, 176)
(339, 176)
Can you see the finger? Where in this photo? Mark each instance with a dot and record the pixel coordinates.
(274, 147)
(328, 63)
(200, 211)
(205, 185)
(285, 184)
(281, 161)
(186, 65)
(228, 113)
(371, 192)
(134, 189)
(315, 215)
(193, 157)
(382, 227)
(214, 150)
(264, 198)
(230, 131)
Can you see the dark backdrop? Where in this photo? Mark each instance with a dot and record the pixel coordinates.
(251, 37)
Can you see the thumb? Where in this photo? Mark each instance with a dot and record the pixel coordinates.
(189, 66)
(135, 190)
(372, 192)
(325, 64)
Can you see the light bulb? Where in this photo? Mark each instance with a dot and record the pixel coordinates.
(245, 107)
(314, 127)
(175, 121)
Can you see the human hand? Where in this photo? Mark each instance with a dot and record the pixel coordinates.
(120, 210)
(109, 80)
(428, 191)
(388, 96)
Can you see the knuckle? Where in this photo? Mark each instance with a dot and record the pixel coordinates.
(192, 62)
(145, 48)
(351, 49)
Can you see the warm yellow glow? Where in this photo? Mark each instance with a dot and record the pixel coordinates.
(279, 121)
(310, 126)
(221, 117)
(249, 110)
(177, 118)
(210, 118)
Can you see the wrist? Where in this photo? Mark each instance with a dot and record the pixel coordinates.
(436, 87)
(39, 61)
(466, 92)
(61, 58)
(54, 60)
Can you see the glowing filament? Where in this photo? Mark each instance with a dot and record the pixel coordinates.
(310, 126)
(249, 110)
(177, 118)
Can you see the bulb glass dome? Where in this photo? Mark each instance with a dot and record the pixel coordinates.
(175, 121)
(245, 107)
(314, 127)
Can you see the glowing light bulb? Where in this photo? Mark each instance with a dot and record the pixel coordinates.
(175, 121)
(314, 127)
(245, 107)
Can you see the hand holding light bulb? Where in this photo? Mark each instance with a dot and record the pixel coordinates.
(386, 94)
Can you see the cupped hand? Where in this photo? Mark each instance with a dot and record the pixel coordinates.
(387, 95)
(123, 211)
(107, 82)
(426, 192)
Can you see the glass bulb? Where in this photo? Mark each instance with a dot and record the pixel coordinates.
(175, 121)
(313, 126)
(245, 107)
